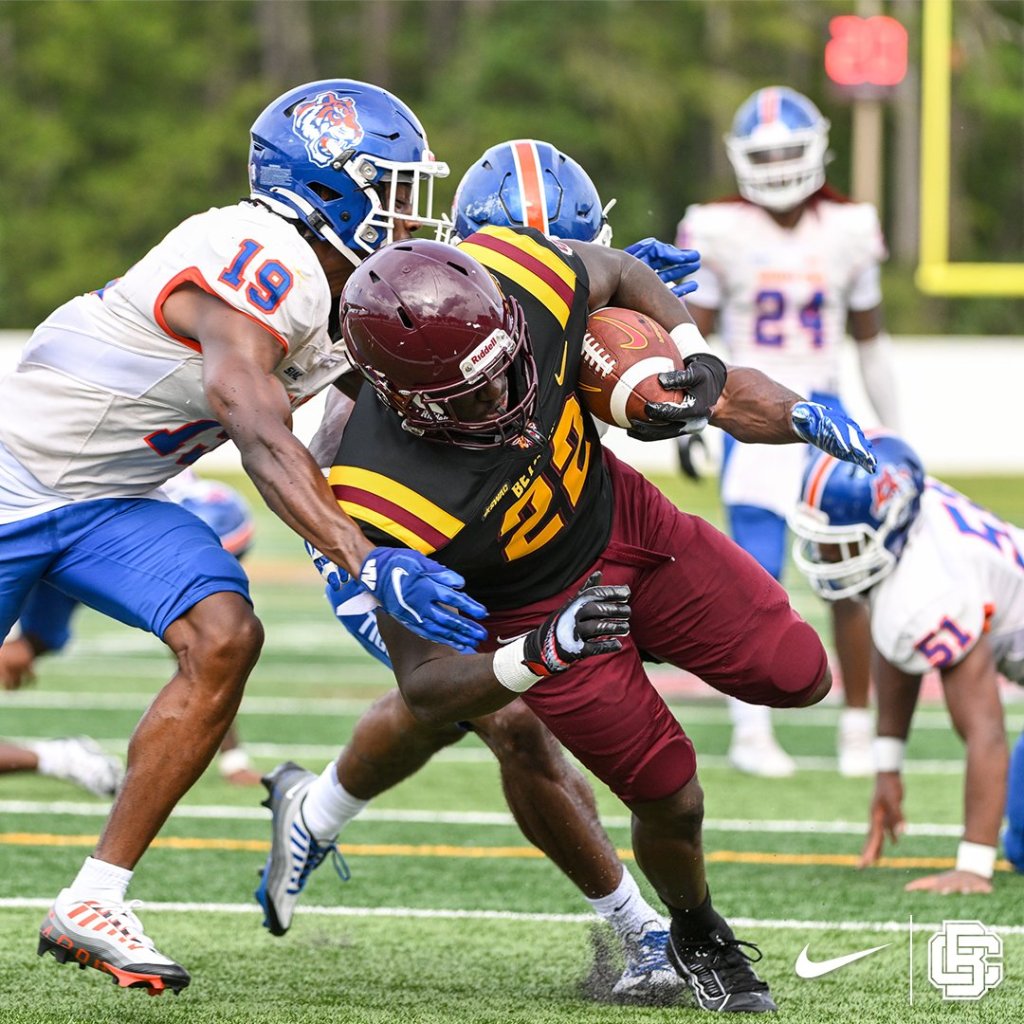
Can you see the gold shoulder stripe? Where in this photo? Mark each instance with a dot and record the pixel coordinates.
(529, 265)
(412, 502)
(389, 526)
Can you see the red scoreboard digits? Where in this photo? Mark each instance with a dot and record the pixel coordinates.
(866, 51)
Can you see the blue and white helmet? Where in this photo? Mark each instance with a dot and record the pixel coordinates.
(778, 147)
(221, 507)
(527, 183)
(332, 154)
(851, 526)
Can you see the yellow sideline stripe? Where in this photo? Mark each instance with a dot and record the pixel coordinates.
(487, 852)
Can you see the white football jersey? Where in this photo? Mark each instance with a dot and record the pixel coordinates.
(107, 401)
(960, 576)
(782, 296)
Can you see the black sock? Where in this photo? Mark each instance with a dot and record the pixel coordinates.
(699, 922)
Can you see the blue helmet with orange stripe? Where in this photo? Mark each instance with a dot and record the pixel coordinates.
(527, 183)
(778, 148)
(851, 526)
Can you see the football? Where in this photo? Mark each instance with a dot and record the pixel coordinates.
(623, 353)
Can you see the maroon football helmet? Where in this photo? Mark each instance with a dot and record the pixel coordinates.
(427, 325)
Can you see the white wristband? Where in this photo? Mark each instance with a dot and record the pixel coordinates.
(888, 751)
(976, 858)
(688, 340)
(232, 761)
(509, 669)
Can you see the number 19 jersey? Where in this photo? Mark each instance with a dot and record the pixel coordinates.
(107, 401)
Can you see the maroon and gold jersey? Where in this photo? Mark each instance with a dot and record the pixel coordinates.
(522, 521)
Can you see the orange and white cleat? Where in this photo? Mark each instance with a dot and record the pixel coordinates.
(107, 936)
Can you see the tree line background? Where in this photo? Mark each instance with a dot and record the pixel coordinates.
(121, 118)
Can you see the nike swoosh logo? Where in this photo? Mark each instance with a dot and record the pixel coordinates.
(560, 376)
(503, 640)
(807, 968)
(396, 584)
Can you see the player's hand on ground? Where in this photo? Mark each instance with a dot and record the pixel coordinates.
(333, 574)
(949, 882)
(832, 432)
(886, 817)
(16, 659)
(669, 262)
(424, 596)
(591, 623)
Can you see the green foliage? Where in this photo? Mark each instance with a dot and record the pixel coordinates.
(122, 118)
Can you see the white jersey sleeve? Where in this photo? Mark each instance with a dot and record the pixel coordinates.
(959, 577)
(107, 401)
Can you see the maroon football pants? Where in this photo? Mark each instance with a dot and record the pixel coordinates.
(699, 602)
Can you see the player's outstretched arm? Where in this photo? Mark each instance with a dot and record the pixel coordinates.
(239, 357)
(897, 694)
(757, 409)
(440, 689)
(971, 689)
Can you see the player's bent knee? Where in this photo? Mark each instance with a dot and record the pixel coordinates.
(681, 812)
(515, 734)
(820, 691)
(220, 637)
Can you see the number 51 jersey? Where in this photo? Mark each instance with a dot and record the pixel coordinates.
(107, 401)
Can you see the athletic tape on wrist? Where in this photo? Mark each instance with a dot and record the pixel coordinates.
(688, 340)
(232, 761)
(976, 858)
(888, 752)
(509, 669)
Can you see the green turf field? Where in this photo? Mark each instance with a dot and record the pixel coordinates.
(450, 916)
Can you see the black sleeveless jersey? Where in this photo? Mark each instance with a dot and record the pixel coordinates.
(521, 521)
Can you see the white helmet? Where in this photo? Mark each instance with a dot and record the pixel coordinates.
(777, 148)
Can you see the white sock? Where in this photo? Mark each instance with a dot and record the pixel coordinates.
(51, 756)
(750, 719)
(328, 806)
(625, 909)
(859, 720)
(99, 879)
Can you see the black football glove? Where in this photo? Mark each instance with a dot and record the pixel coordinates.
(702, 380)
(590, 623)
(693, 455)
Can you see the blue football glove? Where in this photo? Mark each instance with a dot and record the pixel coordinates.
(333, 574)
(356, 609)
(670, 263)
(833, 432)
(424, 596)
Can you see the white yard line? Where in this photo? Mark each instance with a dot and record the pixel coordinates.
(226, 812)
(704, 714)
(777, 924)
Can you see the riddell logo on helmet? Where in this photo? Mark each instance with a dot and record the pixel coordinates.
(488, 352)
(329, 124)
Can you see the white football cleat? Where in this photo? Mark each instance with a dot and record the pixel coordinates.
(78, 759)
(856, 731)
(106, 935)
(649, 978)
(759, 753)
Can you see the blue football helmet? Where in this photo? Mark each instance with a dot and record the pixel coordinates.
(778, 147)
(851, 526)
(221, 507)
(526, 183)
(332, 154)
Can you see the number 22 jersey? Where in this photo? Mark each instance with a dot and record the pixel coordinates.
(520, 522)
